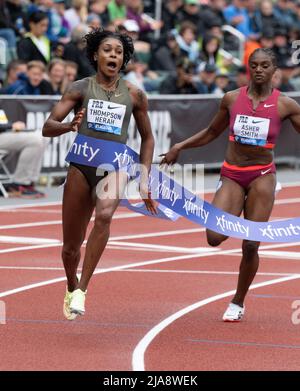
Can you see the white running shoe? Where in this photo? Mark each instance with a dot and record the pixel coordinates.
(234, 313)
(77, 302)
(66, 307)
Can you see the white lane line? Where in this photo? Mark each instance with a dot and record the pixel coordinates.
(26, 248)
(281, 254)
(26, 240)
(34, 204)
(46, 211)
(58, 222)
(159, 233)
(222, 252)
(29, 225)
(153, 262)
(138, 357)
(153, 250)
(290, 184)
(287, 201)
(202, 272)
(165, 248)
(101, 271)
(32, 268)
(209, 272)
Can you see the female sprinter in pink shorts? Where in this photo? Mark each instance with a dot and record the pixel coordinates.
(254, 115)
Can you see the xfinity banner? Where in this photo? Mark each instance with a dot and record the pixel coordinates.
(174, 198)
(173, 118)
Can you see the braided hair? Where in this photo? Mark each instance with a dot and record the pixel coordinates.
(97, 36)
(269, 52)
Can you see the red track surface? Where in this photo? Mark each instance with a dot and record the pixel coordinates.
(123, 305)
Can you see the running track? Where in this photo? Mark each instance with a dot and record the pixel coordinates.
(155, 303)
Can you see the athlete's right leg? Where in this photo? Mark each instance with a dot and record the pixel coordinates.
(78, 205)
(230, 197)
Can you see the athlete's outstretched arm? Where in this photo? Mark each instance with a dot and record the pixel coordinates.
(219, 123)
(140, 113)
(71, 99)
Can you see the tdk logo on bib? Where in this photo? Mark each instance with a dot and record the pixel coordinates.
(104, 116)
(251, 130)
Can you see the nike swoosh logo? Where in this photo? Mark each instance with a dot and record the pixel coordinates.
(117, 95)
(257, 122)
(264, 172)
(266, 106)
(112, 107)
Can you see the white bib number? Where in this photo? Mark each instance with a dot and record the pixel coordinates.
(251, 130)
(104, 116)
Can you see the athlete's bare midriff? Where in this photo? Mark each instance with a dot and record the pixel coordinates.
(247, 155)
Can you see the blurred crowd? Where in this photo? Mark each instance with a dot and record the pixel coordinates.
(187, 51)
(184, 49)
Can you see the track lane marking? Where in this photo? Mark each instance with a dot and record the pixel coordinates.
(138, 356)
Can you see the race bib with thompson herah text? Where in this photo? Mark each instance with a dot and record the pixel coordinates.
(104, 116)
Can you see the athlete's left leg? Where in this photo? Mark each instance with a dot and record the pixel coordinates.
(258, 207)
(109, 192)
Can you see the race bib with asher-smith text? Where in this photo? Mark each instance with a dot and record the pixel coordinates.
(104, 116)
(251, 130)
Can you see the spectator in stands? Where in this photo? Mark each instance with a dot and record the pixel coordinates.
(213, 14)
(264, 17)
(170, 10)
(117, 11)
(61, 27)
(93, 21)
(241, 78)
(77, 14)
(210, 54)
(207, 82)
(31, 83)
(71, 71)
(297, 12)
(47, 6)
(250, 45)
(57, 76)
(266, 39)
(283, 10)
(287, 70)
(35, 45)
(223, 83)
(187, 42)
(237, 15)
(30, 147)
(167, 55)
(282, 47)
(7, 29)
(146, 24)
(100, 7)
(192, 12)
(76, 51)
(182, 82)
(17, 14)
(137, 71)
(251, 8)
(14, 69)
(142, 49)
